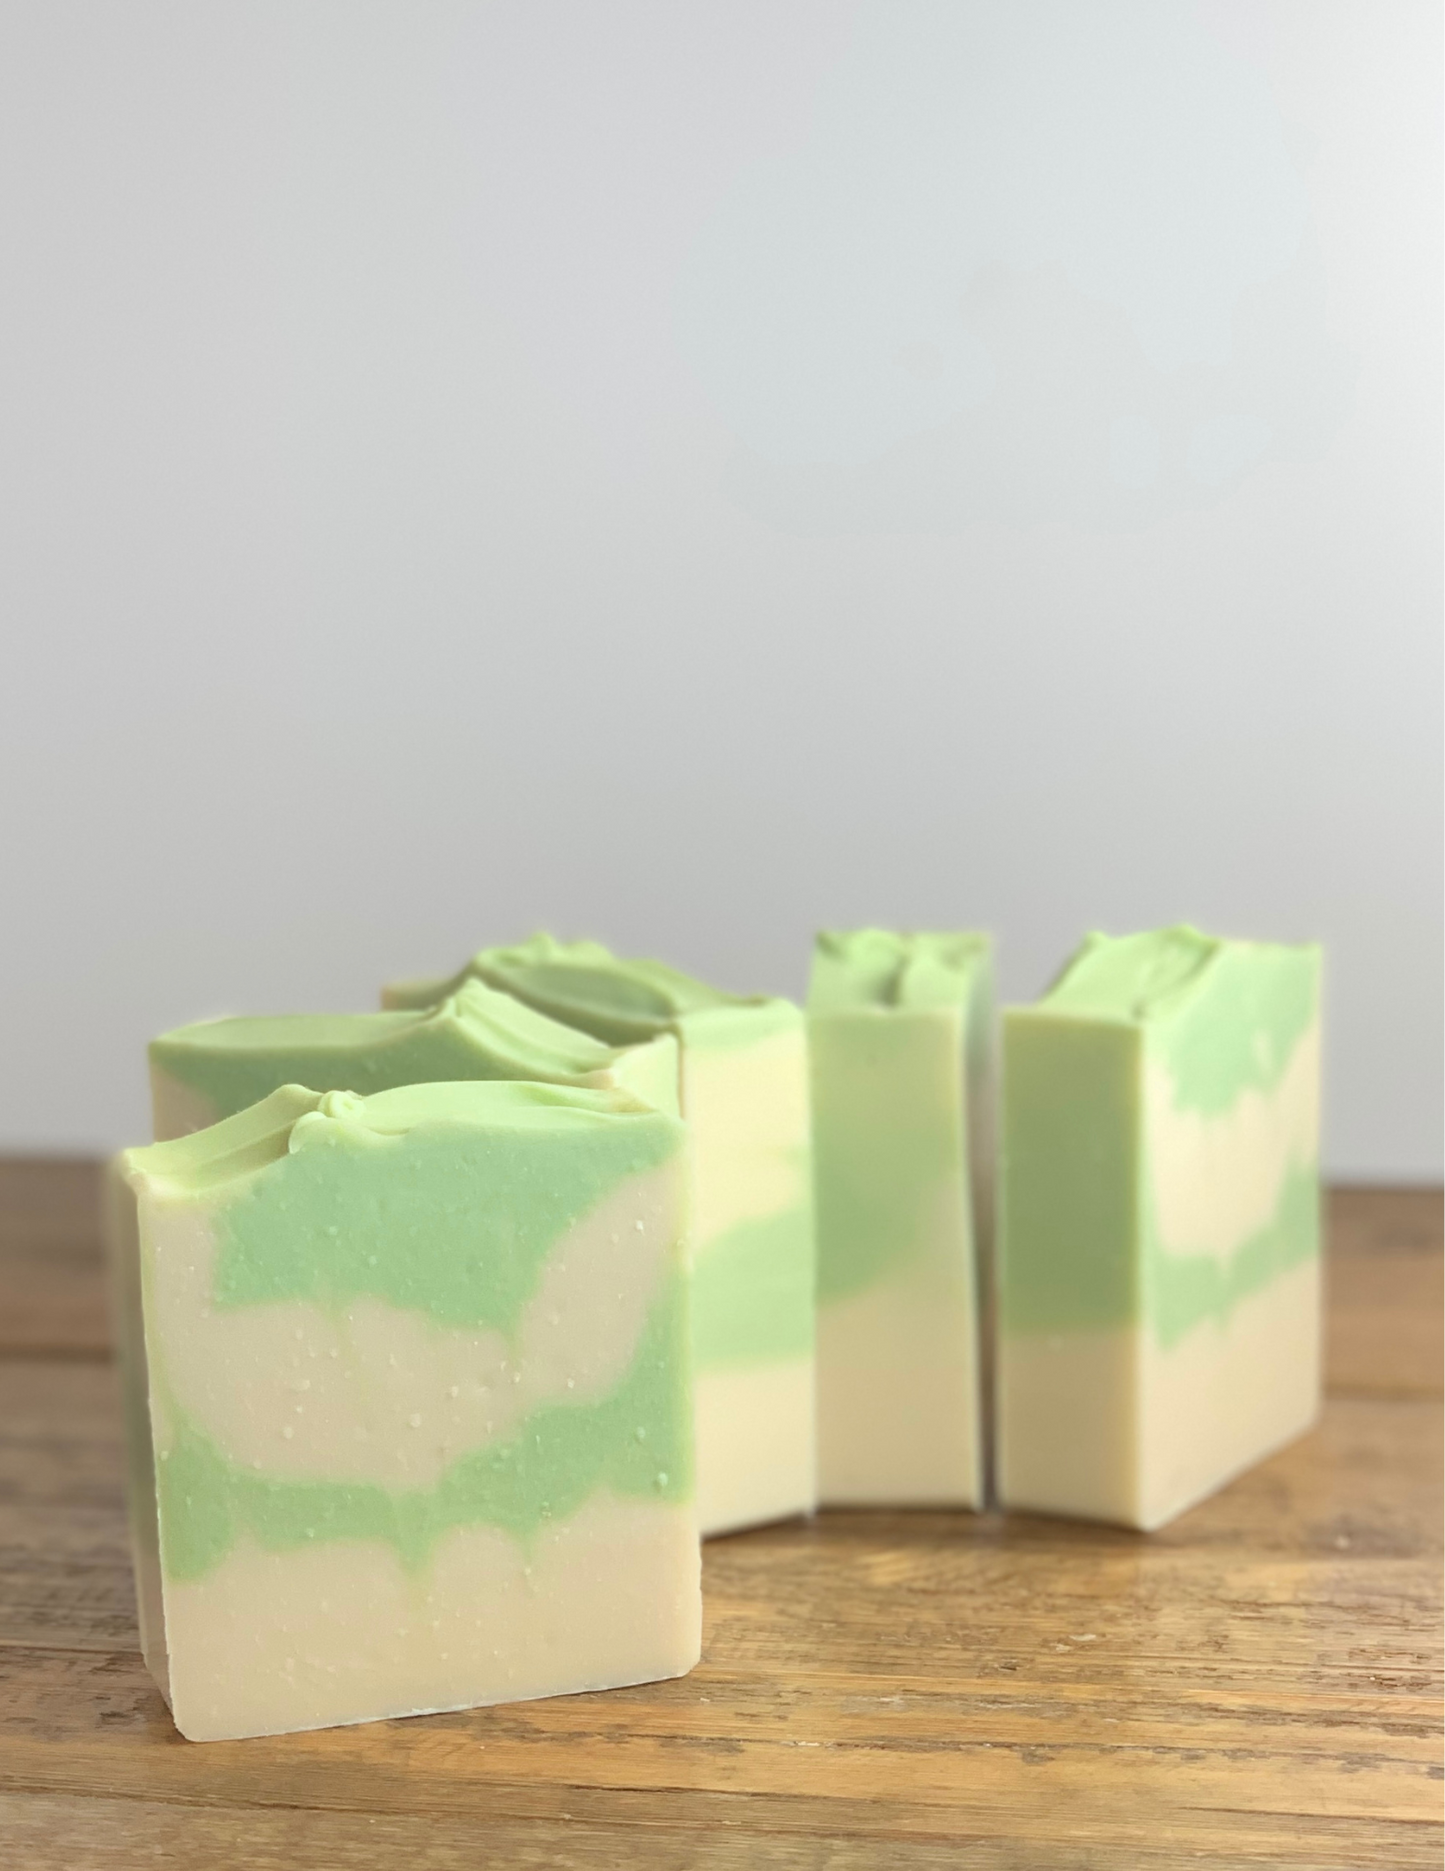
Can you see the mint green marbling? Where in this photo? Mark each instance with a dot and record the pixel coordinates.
(1078, 1244)
(440, 1198)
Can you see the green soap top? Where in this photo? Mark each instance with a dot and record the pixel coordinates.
(279, 1125)
(585, 984)
(1155, 975)
(230, 1151)
(1135, 977)
(882, 968)
(445, 1198)
(1223, 1016)
(475, 1033)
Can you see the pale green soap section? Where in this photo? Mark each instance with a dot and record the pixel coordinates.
(891, 1019)
(752, 1293)
(443, 1198)
(1078, 1241)
(1070, 1176)
(476, 1032)
(753, 1297)
(1175, 981)
(1185, 1288)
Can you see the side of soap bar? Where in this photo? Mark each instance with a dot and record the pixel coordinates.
(215, 1068)
(744, 1079)
(369, 1481)
(746, 1098)
(900, 1038)
(1160, 1306)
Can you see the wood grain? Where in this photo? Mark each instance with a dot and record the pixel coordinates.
(1256, 1685)
(1386, 1296)
(53, 1301)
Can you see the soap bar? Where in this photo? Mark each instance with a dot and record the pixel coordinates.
(215, 1068)
(899, 1030)
(1159, 1232)
(408, 1406)
(745, 1097)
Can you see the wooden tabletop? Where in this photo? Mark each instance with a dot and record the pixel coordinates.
(1259, 1684)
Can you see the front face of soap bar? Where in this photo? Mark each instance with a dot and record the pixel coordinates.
(409, 1375)
(1160, 1277)
(202, 1073)
(892, 1022)
(745, 1095)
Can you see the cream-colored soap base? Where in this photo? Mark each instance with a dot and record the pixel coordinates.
(755, 1445)
(1106, 1425)
(747, 1111)
(898, 1396)
(177, 1110)
(268, 1643)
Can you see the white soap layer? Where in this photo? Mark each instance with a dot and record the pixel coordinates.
(269, 1643)
(899, 1390)
(1110, 1425)
(747, 1107)
(756, 1446)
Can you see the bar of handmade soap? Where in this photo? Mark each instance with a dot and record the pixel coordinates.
(1159, 1228)
(745, 1097)
(215, 1068)
(407, 1392)
(899, 1031)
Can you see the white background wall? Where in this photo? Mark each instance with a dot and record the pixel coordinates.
(695, 473)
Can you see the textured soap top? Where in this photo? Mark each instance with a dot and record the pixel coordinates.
(443, 1198)
(584, 984)
(1221, 1017)
(882, 968)
(476, 1032)
(294, 1120)
(1158, 974)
